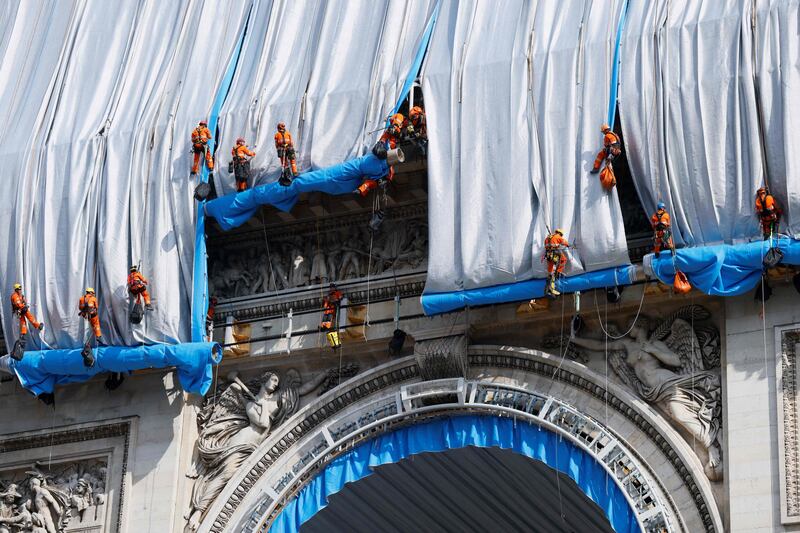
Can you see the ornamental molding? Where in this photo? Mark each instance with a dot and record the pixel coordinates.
(227, 511)
(787, 339)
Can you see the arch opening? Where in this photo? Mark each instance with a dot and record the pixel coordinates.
(457, 432)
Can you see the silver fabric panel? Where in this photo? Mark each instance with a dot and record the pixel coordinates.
(512, 141)
(777, 66)
(688, 111)
(101, 98)
(332, 71)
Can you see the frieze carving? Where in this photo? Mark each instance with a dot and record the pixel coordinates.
(237, 418)
(788, 341)
(334, 255)
(675, 367)
(56, 499)
(84, 499)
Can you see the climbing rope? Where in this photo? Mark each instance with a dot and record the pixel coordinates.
(635, 319)
(563, 353)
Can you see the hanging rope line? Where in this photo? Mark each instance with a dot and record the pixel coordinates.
(635, 319)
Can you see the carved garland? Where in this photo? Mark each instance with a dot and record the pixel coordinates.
(791, 453)
(83, 434)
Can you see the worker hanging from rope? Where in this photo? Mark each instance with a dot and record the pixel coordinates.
(88, 309)
(137, 286)
(555, 252)
(286, 153)
(20, 308)
(330, 315)
(200, 137)
(612, 148)
(241, 163)
(769, 213)
(662, 236)
(389, 140)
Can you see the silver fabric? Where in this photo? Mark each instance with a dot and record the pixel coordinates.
(331, 71)
(515, 94)
(777, 67)
(688, 110)
(98, 99)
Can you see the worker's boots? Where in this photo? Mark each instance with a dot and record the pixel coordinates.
(594, 171)
(148, 307)
(551, 288)
(40, 327)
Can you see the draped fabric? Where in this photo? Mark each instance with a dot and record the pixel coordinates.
(101, 99)
(515, 93)
(689, 111)
(458, 432)
(331, 71)
(98, 100)
(777, 68)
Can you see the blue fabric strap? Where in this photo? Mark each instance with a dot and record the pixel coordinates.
(458, 432)
(612, 101)
(442, 302)
(41, 371)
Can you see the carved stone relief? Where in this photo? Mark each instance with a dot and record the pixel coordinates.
(673, 364)
(62, 498)
(237, 418)
(320, 258)
(72, 479)
(787, 341)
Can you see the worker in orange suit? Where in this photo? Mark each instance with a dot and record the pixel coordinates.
(212, 303)
(417, 127)
(20, 307)
(555, 246)
(88, 309)
(768, 213)
(200, 137)
(660, 223)
(388, 141)
(285, 148)
(137, 286)
(330, 307)
(611, 148)
(241, 163)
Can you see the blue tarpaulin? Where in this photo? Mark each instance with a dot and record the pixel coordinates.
(41, 371)
(458, 432)
(722, 270)
(443, 302)
(234, 210)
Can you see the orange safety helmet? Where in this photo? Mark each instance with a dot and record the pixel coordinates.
(604, 128)
(281, 126)
(415, 111)
(240, 140)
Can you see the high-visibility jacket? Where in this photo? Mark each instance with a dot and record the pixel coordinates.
(136, 282)
(610, 139)
(201, 135)
(555, 241)
(330, 302)
(18, 302)
(660, 217)
(240, 151)
(88, 305)
(283, 139)
(766, 206)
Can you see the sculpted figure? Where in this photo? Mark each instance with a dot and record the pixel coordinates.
(666, 368)
(232, 428)
(50, 504)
